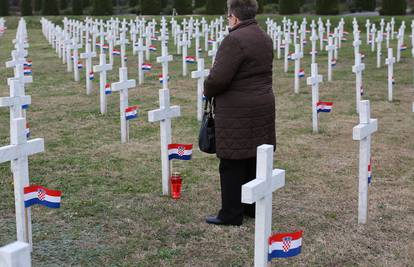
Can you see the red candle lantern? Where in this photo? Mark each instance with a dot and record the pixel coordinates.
(176, 184)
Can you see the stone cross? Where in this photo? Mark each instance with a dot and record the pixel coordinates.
(379, 48)
(164, 59)
(17, 64)
(164, 115)
(297, 56)
(200, 75)
(102, 68)
(314, 81)
(330, 48)
(122, 87)
(16, 254)
(362, 133)
(390, 61)
(358, 68)
(17, 152)
(139, 49)
(260, 191)
(88, 55)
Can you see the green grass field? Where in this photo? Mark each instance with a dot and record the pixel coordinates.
(113, 213)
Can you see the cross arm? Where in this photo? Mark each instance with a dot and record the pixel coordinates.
(11, 101)
(162, 114)
(12, 152)
(363, 130)
(258, 189)
(123, 85)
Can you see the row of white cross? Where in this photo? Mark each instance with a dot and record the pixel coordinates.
(20, 148)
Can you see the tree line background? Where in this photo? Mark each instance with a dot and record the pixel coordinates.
(186, 7)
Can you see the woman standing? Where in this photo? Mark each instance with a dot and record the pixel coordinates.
(241, 84)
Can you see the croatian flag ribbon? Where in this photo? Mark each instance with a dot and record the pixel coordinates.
(154, 38)
(116, 52)
(80, 65)
(333, 62)
(98, 44)
(180, 151)
(152, 48)
(370, 172)
(301, 73)
(35, 194)
(28, 63)
(289, 57)
(403, 47)
(27, 71)
(393, 80)
(91, 76)
(27, 130)
(211, 41)
(362, 90)
(105, 47)
(190, 59)
(324, 106)
(146, 67)
(161, 78)
(131, 113)
(285, 245)
(108, 90)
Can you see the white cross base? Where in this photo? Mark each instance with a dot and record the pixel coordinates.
(260, 191)
(16, 254)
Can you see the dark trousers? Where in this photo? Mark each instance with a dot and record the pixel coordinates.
(234, 174)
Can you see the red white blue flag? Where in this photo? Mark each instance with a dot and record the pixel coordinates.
(301, 73)
(324, 106)
(28, 63)
(27, 130)
(160, 77)
(285, 245)
(369, 172)
(105, 47)
(80, 65)
(35, 194)
(131, 113)
(146, 67)
(27, 71)
(91, 76)
(333, 62)
(108, 90)
(180, 151)
(362, 90)
(116, 52)
(403, 47)
(152, 48)
(190, 59)
(211, 41)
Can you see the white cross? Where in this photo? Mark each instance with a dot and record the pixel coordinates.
(140, 48)
(123, 41)
(368, 27)
(75, 46)
(197, 36)
(123, 86)
(358, 68)
(164, 59)
(390, 62)
(68, 48)
(287, 45)
(110, 38)
(362, 133)
(330, 48)
(373, 34)
(314, 81)
(379, 48)
(213, 52)
(200, 74)
(17, 64)
(399, 44)
(102, 68)
(17, 152)
(88, 55)
(16, 254)
(260, 191)
(321, 31)
(356, 44)
(314, 38)
(297, 56)
(164, 115)
(184, 44)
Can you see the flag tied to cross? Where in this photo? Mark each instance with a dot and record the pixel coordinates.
(91, 76)
(362, 90)
(152, 48)
(28, 63)
(210, 41)
(27, 71)
(324, 107)
(301, 73)
(146, 67)
(131, 113)
(370, 171)
(180, 151)
(289, 57)
(80, 65)
(116, 52)
(403, 47)
(161, 78)
(190, 60)
(393, 80)
(27, 130)
(333, 62)
(35, 194)
(285, 245)
(108, 90)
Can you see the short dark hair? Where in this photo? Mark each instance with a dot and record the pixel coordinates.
(243, 9)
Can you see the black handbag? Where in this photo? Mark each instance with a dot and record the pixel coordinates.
(207, 136)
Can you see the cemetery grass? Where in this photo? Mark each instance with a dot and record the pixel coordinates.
(112, 210)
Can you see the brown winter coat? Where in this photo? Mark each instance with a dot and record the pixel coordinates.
(241, 83)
